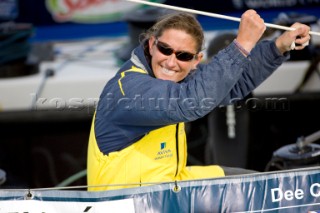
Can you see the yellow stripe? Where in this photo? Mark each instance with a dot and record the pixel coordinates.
(123, 74)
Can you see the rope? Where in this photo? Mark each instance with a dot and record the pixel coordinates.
(215, 15)
(94, 186)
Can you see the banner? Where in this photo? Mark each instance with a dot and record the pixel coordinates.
(294, 191)
(90, 11)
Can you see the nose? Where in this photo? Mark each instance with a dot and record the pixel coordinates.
(171, 60)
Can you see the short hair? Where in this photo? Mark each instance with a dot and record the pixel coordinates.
(180, 21)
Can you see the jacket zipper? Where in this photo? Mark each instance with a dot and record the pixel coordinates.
(177, 148)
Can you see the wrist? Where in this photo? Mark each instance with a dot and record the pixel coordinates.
(282, 48)
(243, 50)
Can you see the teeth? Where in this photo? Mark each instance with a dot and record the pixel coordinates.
(168, 72)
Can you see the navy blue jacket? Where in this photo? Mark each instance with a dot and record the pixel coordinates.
(134, 103)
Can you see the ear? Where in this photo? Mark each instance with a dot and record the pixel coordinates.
(151, 42)
(197, 60)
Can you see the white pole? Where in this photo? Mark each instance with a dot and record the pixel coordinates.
(215, 15)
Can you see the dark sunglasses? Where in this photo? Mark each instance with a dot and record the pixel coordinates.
(180, 55)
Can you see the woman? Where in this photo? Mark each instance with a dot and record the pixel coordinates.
(137, 134)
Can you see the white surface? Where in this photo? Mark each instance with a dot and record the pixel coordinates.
(81, 70)
(117, 206)
(287, 78)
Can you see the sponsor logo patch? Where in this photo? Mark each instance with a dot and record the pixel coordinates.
(163, 152)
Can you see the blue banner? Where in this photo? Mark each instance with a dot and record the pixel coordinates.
(281, 191)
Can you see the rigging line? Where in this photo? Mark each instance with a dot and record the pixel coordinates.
(52, 71)
(47, 73)
(215, 15)
(100, 185)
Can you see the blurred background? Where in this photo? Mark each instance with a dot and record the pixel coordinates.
(57, 55)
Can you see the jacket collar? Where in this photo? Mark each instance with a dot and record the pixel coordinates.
(139, 58)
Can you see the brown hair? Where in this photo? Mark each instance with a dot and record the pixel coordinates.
(181, 21)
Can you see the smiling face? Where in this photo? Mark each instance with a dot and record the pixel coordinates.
(168, 67)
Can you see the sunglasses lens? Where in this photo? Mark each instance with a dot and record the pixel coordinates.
(184, 56)
(165, 50)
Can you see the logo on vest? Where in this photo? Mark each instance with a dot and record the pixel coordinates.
(163, 145)
(163, 153)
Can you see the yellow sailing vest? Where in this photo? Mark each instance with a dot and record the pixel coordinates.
(160, 156)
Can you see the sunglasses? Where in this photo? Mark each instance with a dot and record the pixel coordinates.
(180, 55)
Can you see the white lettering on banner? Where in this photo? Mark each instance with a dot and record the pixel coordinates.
(269, 4)
(315, 190)
(260, 4)
(277, 194)
(36, 206)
